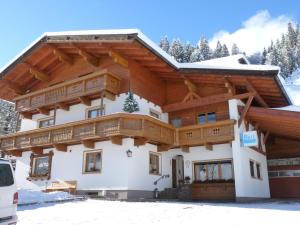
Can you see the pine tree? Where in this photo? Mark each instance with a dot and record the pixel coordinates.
(234, 49)
(225, 51)
(218, 50)
(164, 44)
(130, 104)
(264, 57)
(188, 50)
(205, 49)
(177, 51)
(196, 55)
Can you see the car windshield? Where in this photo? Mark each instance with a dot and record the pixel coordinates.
(6, 176)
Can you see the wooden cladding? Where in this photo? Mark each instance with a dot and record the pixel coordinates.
(120, 125)
(100, 81)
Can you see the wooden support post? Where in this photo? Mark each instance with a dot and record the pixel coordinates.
(118, 59)
(230, 87)
(140, 141)
(109, 95)
(85, 100)
(88, 143)
(37, 150)
(191, 87)
(266, 137)
(208, 146)
(87, 56)
(245, 110)
(163, 147)
(39, 75)
(63, 106)
(44, 111)
(63, 57)
(61, 147)
(117, 140)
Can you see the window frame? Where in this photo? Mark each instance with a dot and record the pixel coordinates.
(176, 118)
(84, 161)
(256, 175)
(219, 164)
(206, 116)
(33, 158)
(45, 119)
(87, 110)
(159, 163)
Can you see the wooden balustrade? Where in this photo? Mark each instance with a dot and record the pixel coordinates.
(95, 83)
(122, 125)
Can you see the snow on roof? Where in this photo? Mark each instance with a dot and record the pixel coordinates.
(228, 60)
(294, 108)
(214, 64)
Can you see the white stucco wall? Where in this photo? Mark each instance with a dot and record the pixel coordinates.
(77, 112)
(245, 185)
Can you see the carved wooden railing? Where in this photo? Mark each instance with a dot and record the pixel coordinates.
(120, 125)
(84, 86)
(218, 132)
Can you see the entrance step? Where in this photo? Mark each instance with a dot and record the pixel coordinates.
(169, 193)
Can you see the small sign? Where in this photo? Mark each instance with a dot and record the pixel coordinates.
(249, 139)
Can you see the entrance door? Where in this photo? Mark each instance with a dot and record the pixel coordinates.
(174, 173)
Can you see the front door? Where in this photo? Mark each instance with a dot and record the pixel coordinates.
(174, 173)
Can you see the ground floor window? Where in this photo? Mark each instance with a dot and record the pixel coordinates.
(41, 165)
(255, 169)
(213, 171)
(154, 163)
(92, 161)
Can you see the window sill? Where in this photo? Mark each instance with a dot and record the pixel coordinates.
(36, 178)
(91, 172)
(155, 174)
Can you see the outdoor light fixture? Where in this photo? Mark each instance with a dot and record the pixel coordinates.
(129, 153)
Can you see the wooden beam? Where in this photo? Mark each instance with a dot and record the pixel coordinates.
(163, 147)
(204, 101)
(87, 56)
(117, 140)
(257, 97)
(63, 106)
(191, 87)
(44, 111)
(185, 148)
(88, 143)
(230, 87)
(37, 150)
(209, 146)
(109, 95)
(61, 147)
(26, 115)
(63, 57)
(266, 137)
(16, 153)
(245, 110)
(85, 100)
(39, 75)
(118, 59)
(140, 141)
(14, 86)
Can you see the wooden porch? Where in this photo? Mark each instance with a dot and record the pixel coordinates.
(82, 89)
(144, 129)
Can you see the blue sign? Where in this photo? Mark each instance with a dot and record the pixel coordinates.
(249, 139)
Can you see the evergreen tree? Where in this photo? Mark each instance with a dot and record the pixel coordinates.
(177, 50)
(264, 57)
(196, 55)
(218, 50)
(225, 51)
(255, 58)
(234, 49)
(164, 44)
(205, 49)
(130, 104)
(188, 50)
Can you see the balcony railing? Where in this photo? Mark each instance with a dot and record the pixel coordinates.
(95, 83)
(120, 125)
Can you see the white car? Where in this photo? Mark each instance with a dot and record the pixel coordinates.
(8, 194)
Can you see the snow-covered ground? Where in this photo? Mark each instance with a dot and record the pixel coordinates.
(144, 213)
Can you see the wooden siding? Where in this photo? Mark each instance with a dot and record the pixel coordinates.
(95, 83)
(119, 125)
(213, 191)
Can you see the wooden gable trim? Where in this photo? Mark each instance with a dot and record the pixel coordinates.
(257, 97)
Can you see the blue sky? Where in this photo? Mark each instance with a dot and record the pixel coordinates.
(21, 22)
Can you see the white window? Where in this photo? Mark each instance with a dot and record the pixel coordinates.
(92, 161)
(255, 169)
(154, 163)
(47, 122)
(41, 166)
(95, 112)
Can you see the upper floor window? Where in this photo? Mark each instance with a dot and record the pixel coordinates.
(255, 169)
(46, 122)
(176, 122)
(95, 112)
(154, 113)
(206, 117)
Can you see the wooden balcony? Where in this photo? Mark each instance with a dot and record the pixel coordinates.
(142, 128)
(77, 90)
(206, 134)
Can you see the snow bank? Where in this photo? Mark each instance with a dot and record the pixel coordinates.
(27, 196)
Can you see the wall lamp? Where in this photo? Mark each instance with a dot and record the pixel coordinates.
(129, 153)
